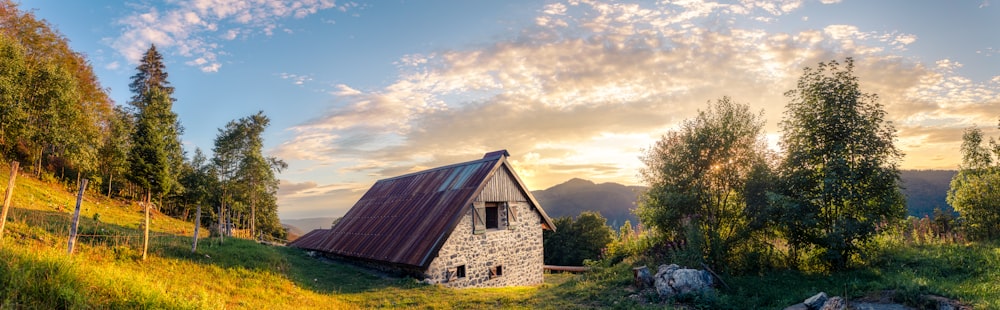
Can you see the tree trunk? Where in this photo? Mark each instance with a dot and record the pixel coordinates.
(222, 211)
(111, 177)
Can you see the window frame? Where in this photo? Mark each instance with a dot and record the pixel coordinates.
(482, 211)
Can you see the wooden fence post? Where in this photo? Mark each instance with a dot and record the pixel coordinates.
(197, 224)
(76, 217)
(145, 234)
(7, 196)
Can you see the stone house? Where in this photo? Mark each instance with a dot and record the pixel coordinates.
(471, 224)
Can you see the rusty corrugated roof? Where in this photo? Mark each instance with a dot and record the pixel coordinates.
(310, 240)
(406, 219)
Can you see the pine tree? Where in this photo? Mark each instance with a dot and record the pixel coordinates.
(156, 157)
(152, 143)
(151, 73)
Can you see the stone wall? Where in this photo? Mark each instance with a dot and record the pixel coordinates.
(517, 249)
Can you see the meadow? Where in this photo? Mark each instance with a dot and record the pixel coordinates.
(106, 271)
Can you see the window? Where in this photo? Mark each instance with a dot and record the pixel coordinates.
(492, 216)
(460, 271)
(496, 271)
(489, 216)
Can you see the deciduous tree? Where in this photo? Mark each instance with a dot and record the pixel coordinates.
(700, 178)
(840, 176)
(576, 240)
(975, 190)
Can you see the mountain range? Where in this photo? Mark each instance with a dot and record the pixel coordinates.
(924, 191)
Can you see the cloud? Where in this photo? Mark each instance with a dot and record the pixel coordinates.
(295, 78)
(193, 28)
(307, 199)
(582, 93)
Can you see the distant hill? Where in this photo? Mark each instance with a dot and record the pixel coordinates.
(302, 226)
(614, 201)
(926, 190)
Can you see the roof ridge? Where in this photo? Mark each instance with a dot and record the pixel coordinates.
(439, 168)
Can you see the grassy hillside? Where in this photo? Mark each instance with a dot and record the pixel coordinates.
(106, 272)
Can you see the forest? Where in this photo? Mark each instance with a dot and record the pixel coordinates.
(57, 119)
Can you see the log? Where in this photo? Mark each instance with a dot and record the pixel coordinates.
(566, 268)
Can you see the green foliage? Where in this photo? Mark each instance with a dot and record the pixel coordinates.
(150, 74)
(705, 179)
(13, 69)
(248, 179)
(116, 146)
(155, 143)
(51, 106)
(630, 242)
(197, 178)
(975, 190)
(839, 177)
(575, 241)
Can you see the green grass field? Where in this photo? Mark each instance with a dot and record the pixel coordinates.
(106, 272)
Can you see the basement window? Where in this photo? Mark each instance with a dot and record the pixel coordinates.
(460, 271)
(496, 271)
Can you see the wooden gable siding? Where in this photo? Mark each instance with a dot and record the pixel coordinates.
(501, 187)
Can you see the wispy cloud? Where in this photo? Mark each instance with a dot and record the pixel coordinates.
(590, 84)
(196, 29)
(296, 79)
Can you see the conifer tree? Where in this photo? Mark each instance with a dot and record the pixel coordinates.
(156, 157)
(151, 73)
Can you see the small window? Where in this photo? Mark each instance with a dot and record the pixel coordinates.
(496, 271)
(460, 271)
(492, 216)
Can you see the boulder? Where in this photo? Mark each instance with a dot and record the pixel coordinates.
(643, 278)
(671, 280)
(835, 303)
(816, 301)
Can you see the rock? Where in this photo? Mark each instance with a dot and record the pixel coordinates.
(816, 301)
(643, 278)
(835, 303)
(671, 280)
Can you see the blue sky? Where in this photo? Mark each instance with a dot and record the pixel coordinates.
(359, 91)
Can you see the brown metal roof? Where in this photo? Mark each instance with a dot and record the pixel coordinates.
(310, 240)
(406, 219)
